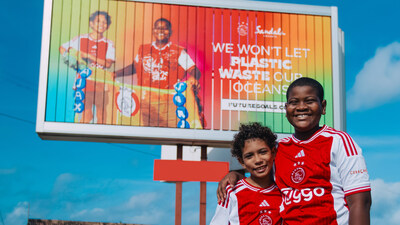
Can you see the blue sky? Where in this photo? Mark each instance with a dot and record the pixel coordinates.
(108, 182)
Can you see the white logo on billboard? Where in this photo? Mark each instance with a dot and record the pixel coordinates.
(150, 65)
(269, 33)
(242, 29)
(127, 105)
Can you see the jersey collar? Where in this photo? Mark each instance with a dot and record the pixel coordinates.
(258, 189)
(315, 135)
(160, 49)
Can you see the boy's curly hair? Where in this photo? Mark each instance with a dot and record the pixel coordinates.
(251, 131)
(98, 13)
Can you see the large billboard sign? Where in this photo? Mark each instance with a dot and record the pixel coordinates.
(181, 71)
(64, 222)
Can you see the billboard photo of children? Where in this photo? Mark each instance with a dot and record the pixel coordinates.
(91, 55)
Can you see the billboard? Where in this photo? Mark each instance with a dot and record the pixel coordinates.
(181, 71)
(64, 222)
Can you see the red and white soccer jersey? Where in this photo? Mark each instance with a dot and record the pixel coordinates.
(100, 48)
(161, 67)
(317, 174)
(246, 204)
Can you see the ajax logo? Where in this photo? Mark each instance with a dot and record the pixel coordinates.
(242, 29)
(127, 102)
(298, 175)
(265, 220)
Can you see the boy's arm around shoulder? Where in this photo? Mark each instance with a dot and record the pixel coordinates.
(230, 179)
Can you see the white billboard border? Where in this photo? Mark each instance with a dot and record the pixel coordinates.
(156, 135)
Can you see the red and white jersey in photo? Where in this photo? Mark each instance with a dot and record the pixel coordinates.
(101, 48)
(161, 67)
(246, 204)
(317, 174)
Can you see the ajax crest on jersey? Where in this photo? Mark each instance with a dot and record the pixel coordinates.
(265, 220)
(298, 175)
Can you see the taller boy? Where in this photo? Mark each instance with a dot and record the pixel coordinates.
(320, 171)
(159, 66)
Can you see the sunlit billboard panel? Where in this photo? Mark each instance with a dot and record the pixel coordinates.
(181, 71)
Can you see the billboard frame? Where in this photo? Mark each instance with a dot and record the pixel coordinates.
(158, 135)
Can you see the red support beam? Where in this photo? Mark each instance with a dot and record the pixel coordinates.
(178, 192)
(203, 190)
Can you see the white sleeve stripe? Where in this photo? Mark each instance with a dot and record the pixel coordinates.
(347, 142)
(359, 189)
(345, 146)
(228, 193)
(351, 143)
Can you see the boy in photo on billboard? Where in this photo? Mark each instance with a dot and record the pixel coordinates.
(320, 171)
(160, 67)
(255, 199)
(95, 51)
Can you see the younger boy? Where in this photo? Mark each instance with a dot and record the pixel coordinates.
(255, 199)
(97, 52)
(320, 171)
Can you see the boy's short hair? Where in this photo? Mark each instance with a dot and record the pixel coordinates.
(306, 81)
(97, 13)
(169, 25)
(248, 132)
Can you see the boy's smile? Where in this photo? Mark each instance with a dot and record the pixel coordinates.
(161, 32)
(258, 159)
(99, 24)
(304, 110)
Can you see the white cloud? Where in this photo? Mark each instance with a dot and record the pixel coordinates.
(385, 202)
(142, 200)
(378, 81)
(19, 215)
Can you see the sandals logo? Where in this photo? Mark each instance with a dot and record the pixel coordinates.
(269, 33)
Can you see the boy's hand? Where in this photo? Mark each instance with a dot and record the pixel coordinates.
(230, 179)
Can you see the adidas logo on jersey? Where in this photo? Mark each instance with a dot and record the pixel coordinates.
(264, 204)
(300, 154)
